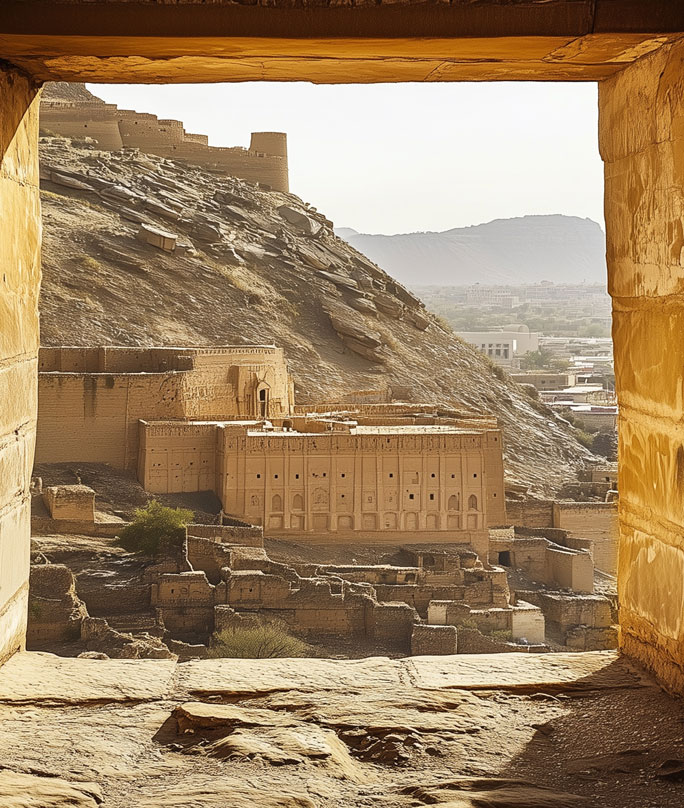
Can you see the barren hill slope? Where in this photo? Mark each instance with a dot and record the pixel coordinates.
(258, 266)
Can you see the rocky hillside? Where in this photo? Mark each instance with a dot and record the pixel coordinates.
(255, 266)
(527, 249)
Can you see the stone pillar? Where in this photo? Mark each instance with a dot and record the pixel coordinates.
(19, 286)
(641, 135)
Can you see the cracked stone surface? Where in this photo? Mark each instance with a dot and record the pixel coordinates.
(504, 730)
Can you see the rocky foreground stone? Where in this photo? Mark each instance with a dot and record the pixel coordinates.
(465, 732)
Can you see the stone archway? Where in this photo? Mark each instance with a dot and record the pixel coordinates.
(636, 52)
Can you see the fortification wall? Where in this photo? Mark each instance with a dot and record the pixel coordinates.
(97, 121)
(265, 162)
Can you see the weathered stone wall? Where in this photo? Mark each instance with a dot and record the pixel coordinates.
(597, 521)
(228, 534)
(91, 399)
(20, 229)
(642, 145)
(433, 640)
(265, 161)
(530, 513)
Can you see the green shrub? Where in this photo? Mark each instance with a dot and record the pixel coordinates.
(156, 530)
(263, 641)
(88, 262)
(501, 635)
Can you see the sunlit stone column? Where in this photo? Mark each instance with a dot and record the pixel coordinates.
(642, 145)
(19, 286)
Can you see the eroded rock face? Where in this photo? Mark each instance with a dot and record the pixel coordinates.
(56, 613)
(18, 790)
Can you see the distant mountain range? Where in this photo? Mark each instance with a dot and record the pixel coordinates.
(527, 249)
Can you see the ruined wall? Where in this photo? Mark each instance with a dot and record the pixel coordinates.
(535, 513)
(642, 145)
(566, 569)
(70, 502)
(597, 521)
(20, 231)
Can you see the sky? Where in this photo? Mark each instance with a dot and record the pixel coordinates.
(399, 158)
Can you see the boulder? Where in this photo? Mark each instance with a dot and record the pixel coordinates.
(417, 319)
(363, 304)
(339, 280)
(300, 220)
(355, 329)
(119, 192)
(158, 209)
(388, 305)
(371, 354)
(69, 182)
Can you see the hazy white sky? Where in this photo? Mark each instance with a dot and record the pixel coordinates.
(394, 158)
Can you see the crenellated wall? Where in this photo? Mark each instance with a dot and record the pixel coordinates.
(20, 231)
(265, 162)
(642, 145)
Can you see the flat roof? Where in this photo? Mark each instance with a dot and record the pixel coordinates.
(407, 429)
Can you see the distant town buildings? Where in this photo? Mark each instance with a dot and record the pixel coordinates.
(506, 345)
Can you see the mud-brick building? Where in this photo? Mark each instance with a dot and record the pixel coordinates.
(91, 399)
(224, 419)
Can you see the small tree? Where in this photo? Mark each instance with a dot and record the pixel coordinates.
(156, 530)
(261, 641)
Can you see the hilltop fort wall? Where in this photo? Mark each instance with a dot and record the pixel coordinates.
(264, 162)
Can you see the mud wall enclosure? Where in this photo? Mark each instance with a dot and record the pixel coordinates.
(633, 49)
